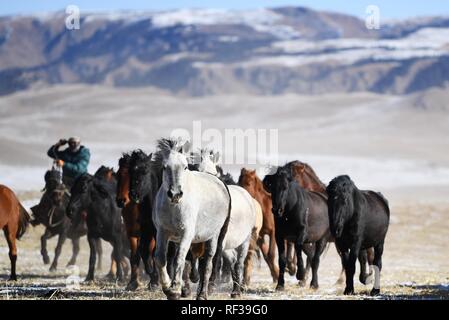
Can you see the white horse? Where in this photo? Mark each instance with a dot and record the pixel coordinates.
(245, 224)
(190, 207)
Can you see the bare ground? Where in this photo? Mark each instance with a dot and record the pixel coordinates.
(416, 266)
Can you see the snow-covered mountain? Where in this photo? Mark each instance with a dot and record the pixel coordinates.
(209, 51)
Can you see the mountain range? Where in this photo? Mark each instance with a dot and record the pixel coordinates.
(200, 52)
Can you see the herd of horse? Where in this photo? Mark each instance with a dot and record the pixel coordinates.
(176, 216)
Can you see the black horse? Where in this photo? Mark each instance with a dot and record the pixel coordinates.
(358, 220)
(95, 195)
(51, 212)
(145, 180)
(300, 217)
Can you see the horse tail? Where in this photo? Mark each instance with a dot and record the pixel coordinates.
(24, 220)
(223, 230)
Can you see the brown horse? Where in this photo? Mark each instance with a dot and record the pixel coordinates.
(249, 180)
(14, 221)
(308, 179)
(131, 217)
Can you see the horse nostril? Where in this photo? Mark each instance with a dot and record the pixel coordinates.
(170, 194)
(180, 194)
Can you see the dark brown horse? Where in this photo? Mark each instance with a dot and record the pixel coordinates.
(14, 221)
(249, 180)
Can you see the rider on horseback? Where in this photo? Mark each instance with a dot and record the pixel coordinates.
(73, 160)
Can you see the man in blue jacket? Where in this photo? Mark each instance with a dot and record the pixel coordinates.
(73, 160)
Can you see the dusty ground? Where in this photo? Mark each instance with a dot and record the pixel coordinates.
(416, 266)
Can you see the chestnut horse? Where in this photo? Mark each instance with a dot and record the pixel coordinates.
(249, 181)
(14, 221)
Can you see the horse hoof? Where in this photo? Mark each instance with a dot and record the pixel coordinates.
(348, 291)
(194, 277)
(13, 278)
(171, 295)
(314, 286)
(375, 292)
(367, 279)
(201, 297)
(302, 283)
(46, 260)
(235, 295)
(153, 287)
(89, 280)
(280, 287)
(211, 288)
(132, 285)
(53, 268)
(292, 271)
(186, 292)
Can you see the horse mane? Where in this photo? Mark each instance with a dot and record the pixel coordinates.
(341, 185)
(308, 170)
(124, 160)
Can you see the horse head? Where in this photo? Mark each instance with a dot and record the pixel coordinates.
(173, 156)
(123, 181)
(279, 186)
(80, 196)
(139, 169)
(340, 203)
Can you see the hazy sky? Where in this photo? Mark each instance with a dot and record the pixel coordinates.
(388, 8)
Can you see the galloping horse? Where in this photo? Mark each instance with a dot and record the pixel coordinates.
(249, 180)
(300, 217)
(51, 212)
(308, 179)
(131, 216)
(14, 220)
(241, 211)
(96, 196)
(358, 220)
(191, 207)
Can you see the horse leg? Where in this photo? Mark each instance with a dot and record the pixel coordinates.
(117, 256)
(282, 262)
(248, 268)
(179, 263)
(47, 235)
(185, 290)
(99, 248)
(194, 274)
(92, 258)
(291, 258)
(363, 258)
(319, 248)
(58, 249)
(274, 269)
(378, 251)
(160, 258)
(351, 259)
(171, 254)
(301, 272)
(134, 261)
(342, 277)
(242, 252)
(146, 256)
(75, 251)
(226, 270)
(206, 266)
(309, 250)
(11, 239)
